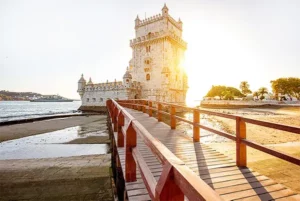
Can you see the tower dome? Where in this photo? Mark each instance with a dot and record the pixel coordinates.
(81, 85)
(90, 81)
(81, 79)
(127, 75)
(165, 10)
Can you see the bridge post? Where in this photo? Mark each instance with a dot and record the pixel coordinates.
(166, 188)
(140, 107)
(150, 108)
(241, 150)
(173, 119)
(120, 121)
(196, 129)
(108, 105)
(116, 112)
(130, 165)
(112, 110)
(133, 106)
(159, 107)
(144, 106)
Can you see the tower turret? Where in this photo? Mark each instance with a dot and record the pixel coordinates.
(165, 11)
(180, 23)
(81, 86)
(90, 81)
(137, 21)
(127, 79)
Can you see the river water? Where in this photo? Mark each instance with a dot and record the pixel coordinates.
(57, 143)
(15, 110)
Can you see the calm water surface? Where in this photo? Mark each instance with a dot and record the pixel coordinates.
(52, 144)
(15, 110)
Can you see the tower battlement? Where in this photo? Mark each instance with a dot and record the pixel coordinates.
(154, 18)
(105, 86)
(148, 20)
(156, 36)
(158, 23)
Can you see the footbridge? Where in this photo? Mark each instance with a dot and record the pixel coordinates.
(153, 160)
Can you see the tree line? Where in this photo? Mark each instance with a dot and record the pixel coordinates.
(282, 86)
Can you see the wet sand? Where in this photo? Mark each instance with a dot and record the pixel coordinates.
(65, 164)
(279, 170)
(263, 135)
(59, 179)
(34, 128)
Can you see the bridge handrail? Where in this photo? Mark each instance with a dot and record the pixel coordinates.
(176, 180)
(240, 138)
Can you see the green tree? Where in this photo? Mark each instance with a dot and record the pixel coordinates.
(262, 91)
(289, 86)
(235, 92)
(244, 86)
(216, 91)
(222, 91)
(256, 94)
(228, 95)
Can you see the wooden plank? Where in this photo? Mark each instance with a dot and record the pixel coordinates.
(135, 185)
(289, 198)
(239, 181)
(247, 186)
(250, 192)
(228, 173)
(270, 195)
(211, 166)
(211, 171)
(137, 192)
(231, 177)
(140, 198)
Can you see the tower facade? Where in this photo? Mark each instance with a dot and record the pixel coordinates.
(155, 71)
(157, 58)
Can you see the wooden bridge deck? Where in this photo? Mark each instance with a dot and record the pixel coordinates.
(216, 169)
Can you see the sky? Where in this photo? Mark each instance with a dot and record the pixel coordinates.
(46, 45)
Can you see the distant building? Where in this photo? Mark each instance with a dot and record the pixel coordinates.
(155, 71)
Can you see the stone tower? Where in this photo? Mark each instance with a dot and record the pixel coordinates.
(157, 57)
(127, 79)
(81, 86)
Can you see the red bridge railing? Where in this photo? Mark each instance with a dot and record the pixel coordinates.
(176, 180)
(176, 177)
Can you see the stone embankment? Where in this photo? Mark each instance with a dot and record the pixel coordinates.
(98, 109)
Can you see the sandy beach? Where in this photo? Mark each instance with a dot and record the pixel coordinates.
(281, 171)
(57, 159)
(34, 128)
(59, 179)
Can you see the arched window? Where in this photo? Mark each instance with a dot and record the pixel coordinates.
(148, 48)
(101, 99)
(87, 100)
(148, 77)
(147, 61)
(127, 80)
